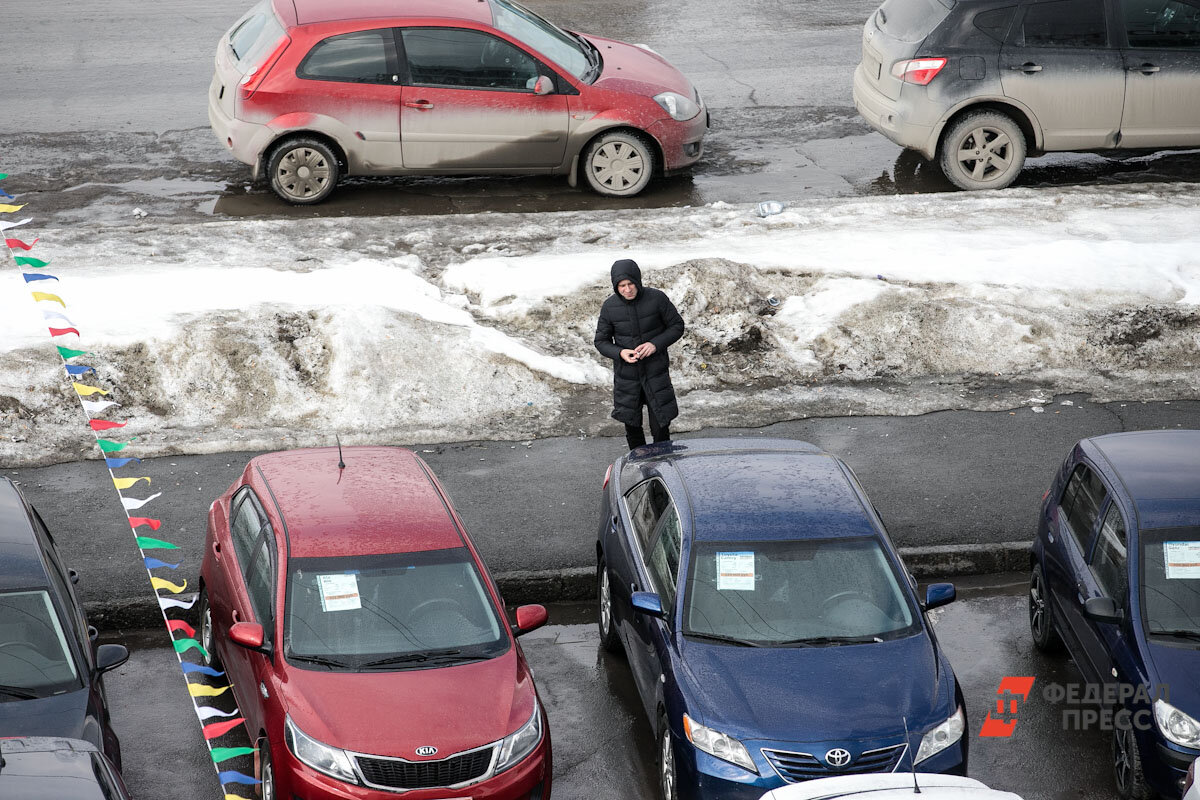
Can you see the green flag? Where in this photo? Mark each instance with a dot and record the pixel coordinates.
(30, 261)
(220, 754)
(67, 352)
(146, 543)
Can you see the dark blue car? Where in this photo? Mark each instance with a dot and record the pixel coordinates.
(1116, 577)
(772, 631)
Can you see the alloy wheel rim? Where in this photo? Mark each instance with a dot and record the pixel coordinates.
(1037, 607)
(668, 768)
(985, 154)
(268, 782)
(303, 173)
(605, 603)
(617, 165)
(1123, 765)
(206, 630)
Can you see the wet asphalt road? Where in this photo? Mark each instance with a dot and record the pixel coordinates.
(603, 743)
(115, 118)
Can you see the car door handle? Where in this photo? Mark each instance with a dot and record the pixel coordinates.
(236, 616)
(423, 105)
(1027, 67)
(216, 548)
(1145, 69)
(612, 524)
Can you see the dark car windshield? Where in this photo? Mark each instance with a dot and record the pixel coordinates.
(795, 593)
(35, 659)
(401, 611)
(1171, 580)
(567, 51)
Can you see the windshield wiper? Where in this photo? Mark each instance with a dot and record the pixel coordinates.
(716, 637)
(328, 662)
(407, 658)
(820, 641)
(18, 692)
(1179, 633)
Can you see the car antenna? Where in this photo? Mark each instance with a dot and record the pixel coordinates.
(341, 463)
(912, 762)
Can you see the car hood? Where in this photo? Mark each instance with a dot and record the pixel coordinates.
(629, 68)
(62, 715)
(816, 694)
(1176, 668)
(452, 708)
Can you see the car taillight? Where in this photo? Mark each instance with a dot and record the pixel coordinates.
(250, 82)
(607, 475)
(919, 70)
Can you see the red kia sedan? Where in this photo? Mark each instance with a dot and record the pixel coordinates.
(366, 644)
(307, 91)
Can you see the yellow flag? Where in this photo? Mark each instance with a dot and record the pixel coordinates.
(86, 390)
(162, 583)
(200, 690)
(125, 483)
(5, 208)
(40, 296)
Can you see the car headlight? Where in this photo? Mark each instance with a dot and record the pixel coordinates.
(678, 106)
(1177, 726)
(942, 736)
(521, 743)
(718, 744)
(320, 757)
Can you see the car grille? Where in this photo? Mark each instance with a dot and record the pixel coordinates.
(396, 773)
(796, 767)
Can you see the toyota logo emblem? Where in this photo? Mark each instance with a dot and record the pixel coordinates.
(430, 750)
(837, 757)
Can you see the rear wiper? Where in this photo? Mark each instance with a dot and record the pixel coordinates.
(819, 641)
(1179, 634)
(716, 637)
(407, 658)
(328, 662)
(18, 692)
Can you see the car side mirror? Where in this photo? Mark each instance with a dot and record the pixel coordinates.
(250, 636)
(647, 603)
(530, 618)
(110, 656)
(939, 594)
(543, 85)
(1102, 609)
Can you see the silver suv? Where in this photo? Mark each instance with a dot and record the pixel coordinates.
(978, 84)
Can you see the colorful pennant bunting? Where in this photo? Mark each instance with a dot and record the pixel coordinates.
(154, 563)
(220, 754)
(180, 625)
(88, 390)
(97, 406)
(77, 370)
(203, 690)
(171, 602)
(154, 524)
(146, 543)
(125, 483)
(67, 352)
(236, 777)
(217, 729)
(163, 583)
(208, 712)
(30, 277)
(5, 208)
(30, 261)
(132, 503)
(103, 424)
(17, 244)
(188, 668)
(53, 298)
(59, 331)
(117, 463)
(183, 645)
(109, 446)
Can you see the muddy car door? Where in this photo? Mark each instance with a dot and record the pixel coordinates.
(1162, 73)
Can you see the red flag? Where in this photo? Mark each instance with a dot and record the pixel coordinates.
(154, 524)
(179, 625)
(222, 728)
(14, 243)
(64, 331)
(103, 424)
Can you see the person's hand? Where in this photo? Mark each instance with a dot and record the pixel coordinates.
(629, 356)
(644, 350)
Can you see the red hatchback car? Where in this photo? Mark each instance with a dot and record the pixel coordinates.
(365, 641)
(310, 90)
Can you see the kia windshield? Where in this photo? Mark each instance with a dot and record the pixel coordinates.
(35, 660)
(401, 611)
(569, 51)
(1171, 582)
(799, 593)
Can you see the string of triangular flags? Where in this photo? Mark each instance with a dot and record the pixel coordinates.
(68, 340)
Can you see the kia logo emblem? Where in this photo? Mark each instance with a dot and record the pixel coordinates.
(838, 757)
(430, 750)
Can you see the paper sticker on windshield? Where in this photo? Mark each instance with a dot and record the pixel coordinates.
(735, 571)
(339, 592)
(1182, 559)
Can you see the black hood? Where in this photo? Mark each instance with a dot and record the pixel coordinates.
(624, 269)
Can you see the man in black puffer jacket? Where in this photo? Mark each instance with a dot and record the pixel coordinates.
(637, 324)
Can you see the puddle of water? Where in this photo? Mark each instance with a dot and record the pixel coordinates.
(158, 187)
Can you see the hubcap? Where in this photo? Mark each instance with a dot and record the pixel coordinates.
(617, 165)
(668, 768)
(605, 603)
(303, 172)
(1037, 607)
(985, 154)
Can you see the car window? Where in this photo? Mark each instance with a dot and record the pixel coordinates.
(1162, 23)
(36, 657)
(253, 34)
(646, 502)
(1170, 580)
(663, 560)
(360, 57)
(1081, 505)
(1108, 562)
(533, 31)
(995, 23)
(260, 576)
(1065, 23)
(466, 59)
(76, 626)
(245, 526)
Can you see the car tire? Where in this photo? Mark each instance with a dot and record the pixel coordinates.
(1127, 765)
(982, 150)
(207, 639)
(610, 640)
(619, 163)
(668, 775)
(266, 770)
(1041, 617)
(303, 170)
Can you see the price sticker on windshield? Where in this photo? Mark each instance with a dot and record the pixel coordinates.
(339, 592)
(1182, 559)
(735, 571)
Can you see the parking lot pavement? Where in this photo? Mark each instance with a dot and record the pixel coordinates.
(602, 742)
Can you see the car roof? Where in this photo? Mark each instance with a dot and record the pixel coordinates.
(762, 489)
(1161, 472)
(890, 786)
(50, 768)
(20, 560)
(383, 501)
(309, 12)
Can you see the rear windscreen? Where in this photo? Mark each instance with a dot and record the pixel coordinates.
(910, 20)
(253, 34)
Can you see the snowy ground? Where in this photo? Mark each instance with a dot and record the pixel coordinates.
(264, 334)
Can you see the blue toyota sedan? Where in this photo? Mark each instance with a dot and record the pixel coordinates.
(1116, 577)
(773, 633)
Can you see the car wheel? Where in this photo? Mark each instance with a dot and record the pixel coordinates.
(619, 163)
(609, 639)
(1127, 765)
(983, 150)
(303, 171)
(1041, 622)
(207, 639)
(667, 776)
(266, 770)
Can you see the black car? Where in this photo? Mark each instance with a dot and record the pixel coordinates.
(48, 768)
(50, 666)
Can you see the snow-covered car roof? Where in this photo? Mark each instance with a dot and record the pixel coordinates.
(889, 786)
